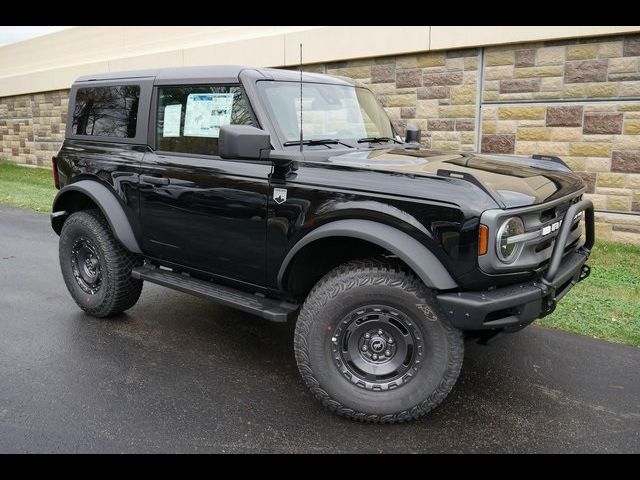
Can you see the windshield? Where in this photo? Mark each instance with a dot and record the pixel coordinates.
(328, 111)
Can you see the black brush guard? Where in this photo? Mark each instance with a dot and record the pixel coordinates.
(516, 306)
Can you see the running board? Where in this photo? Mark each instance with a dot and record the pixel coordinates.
(267, 308)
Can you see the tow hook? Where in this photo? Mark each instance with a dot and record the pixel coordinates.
(550, 306)
(585, 272)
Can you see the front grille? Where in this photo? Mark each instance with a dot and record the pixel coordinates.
(542, 223)
(550, 218)
(547, 215)
(543, 245)
(571, 246)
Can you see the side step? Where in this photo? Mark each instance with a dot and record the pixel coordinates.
(267, 308)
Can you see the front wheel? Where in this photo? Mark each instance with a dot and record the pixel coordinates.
(95, 267)
(372, 344)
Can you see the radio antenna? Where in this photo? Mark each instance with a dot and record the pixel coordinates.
(301, 135)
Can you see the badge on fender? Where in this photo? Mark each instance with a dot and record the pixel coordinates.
(280, 195)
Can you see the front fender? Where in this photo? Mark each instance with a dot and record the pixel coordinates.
(108, 204)
(418, 257)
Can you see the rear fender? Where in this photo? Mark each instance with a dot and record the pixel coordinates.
(106, 201)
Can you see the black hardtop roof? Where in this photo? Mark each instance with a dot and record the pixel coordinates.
(217, 73)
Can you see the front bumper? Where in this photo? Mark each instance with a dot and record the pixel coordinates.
(516, 306)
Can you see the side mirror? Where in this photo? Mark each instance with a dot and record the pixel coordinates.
(243, 142)
(413, 136)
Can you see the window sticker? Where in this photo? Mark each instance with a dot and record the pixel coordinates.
(172, 115)
(206, 113)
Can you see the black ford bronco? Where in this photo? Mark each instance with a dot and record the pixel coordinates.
(291, 196)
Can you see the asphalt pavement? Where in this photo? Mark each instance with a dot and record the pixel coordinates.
(180, 374)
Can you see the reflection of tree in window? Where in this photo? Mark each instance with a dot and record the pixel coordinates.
(107, 111)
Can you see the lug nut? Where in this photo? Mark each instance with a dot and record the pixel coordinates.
(374, 356)
(364, 348)
(380, 332)
(387, 353)
(367, 335)
(390, 340)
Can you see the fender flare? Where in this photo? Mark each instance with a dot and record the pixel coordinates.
(108, 204)
(419, 258)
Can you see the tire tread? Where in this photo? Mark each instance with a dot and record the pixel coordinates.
(376, 271)
(119, 261)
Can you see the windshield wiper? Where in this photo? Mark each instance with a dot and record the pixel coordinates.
(317, 141)
(378, 139)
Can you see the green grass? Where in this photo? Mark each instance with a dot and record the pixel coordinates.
(23, 187)
(606, 305)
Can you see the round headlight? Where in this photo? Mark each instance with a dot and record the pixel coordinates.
(508, 250)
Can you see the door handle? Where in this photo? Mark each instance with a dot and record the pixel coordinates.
(154, 180)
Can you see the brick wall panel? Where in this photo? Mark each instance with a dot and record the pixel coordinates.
(32, 126)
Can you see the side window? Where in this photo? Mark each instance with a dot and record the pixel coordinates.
(189, 118)
(106, 111)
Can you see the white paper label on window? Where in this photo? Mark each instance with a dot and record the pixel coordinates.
(172, 115)
(206, 113)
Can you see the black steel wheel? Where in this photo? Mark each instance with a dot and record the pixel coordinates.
(372, 344)
(377, 347)
(85, 264)
(96, 268)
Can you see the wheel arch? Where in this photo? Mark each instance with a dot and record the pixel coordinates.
(416, 256)
(91, 194)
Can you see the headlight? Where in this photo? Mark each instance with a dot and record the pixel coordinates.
(507, 247)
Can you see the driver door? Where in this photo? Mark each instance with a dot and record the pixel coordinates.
(197, 209)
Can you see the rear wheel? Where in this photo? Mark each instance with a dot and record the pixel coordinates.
(95, 267)
(372, 344)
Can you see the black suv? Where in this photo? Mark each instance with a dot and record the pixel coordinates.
(202, 180)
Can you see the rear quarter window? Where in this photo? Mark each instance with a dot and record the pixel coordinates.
(106, 111)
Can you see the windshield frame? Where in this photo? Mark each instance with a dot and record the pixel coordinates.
(352, 142)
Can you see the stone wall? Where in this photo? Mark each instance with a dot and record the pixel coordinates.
(436, 91)
(578, 99)
(32, 126)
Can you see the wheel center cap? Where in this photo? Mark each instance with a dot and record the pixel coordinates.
(90, 266)
(377, 344)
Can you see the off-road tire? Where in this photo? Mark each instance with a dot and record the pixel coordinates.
(118, 291)
(383, 282)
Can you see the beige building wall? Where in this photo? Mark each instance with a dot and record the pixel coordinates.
(567, 91)
(52, 62)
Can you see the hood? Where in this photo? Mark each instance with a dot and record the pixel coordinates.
(511, 180)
